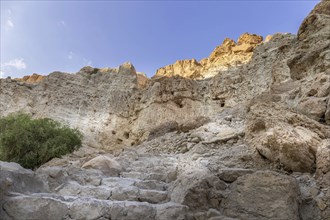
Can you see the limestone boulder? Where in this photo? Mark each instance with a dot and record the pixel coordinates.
(263, 195)
(285, 137)
(14, 178)
(107, 165)
(283, 144)
(198, 190)
(35, 208)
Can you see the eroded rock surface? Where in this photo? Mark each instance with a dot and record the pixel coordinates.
(252, 142)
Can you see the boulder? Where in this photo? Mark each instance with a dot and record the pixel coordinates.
(14, 178)
(21, 207)
(198, 190)
(107, 165)
(285, 137)
(283, 144)
(263, 195)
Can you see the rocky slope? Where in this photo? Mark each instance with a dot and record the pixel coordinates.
(252, 142)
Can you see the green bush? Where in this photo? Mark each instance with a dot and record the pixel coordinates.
(33, 142)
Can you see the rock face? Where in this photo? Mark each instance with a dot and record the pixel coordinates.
(252, 142)
(228, 54)
(34, 78)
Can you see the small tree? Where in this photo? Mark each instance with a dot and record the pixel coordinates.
(33, 142)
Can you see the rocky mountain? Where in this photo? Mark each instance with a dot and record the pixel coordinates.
(250, 142)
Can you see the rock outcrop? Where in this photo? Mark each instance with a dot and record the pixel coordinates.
(252, 142)
(228, 54)
(34, 78)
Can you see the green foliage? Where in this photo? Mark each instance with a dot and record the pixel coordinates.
(33, 142)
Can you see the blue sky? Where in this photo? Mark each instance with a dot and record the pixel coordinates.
(46, 36)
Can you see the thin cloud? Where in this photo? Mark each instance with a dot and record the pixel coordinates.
(2, 74)
(70, 55)
(15, 63)
(62, 23)
(10, 24)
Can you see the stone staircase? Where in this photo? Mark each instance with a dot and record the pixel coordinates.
(141, 191)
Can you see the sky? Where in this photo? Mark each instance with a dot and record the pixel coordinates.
(46, 36)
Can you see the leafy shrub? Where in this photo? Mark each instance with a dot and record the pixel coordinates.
(33, 142)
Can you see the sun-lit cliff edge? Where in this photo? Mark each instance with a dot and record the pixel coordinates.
(228, 54)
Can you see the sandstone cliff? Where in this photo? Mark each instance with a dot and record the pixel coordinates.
(252, 142)
(228, 54)
(34, 78)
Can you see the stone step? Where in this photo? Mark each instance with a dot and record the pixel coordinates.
(152, 185)
(142, 184)
(118, 181)
(75, 189)
(159, 176)
(116, 193)
(159, 168)
(48, 206)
